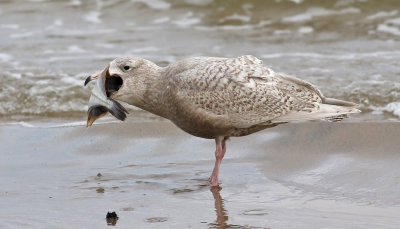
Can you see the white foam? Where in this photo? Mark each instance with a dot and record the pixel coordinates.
(394, 21)
(10, 26)
(296, 1)
(382, 14)
(155, 4)
(161, 20)
(43, 82)
(391, 26)
(225, 27)
(306, 29)
(319, 12)
(104, 45)
(75, 3)
(75, 49)
(78, 32)
(22, 35)
(235, 16)
(93, 16)
(388, 29)
(282, 32)
(72, 80)
(260, 25)
(58, 22)
(393, 108)
(199, 2)
(23, 124)
(4, 57)
(14, 75)
(263, 23)
(48, 51)
(186, 22)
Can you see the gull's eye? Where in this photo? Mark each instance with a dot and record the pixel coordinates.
(126, 67)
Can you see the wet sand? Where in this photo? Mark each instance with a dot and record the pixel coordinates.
(153, 175)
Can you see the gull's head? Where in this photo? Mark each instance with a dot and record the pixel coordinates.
(126, 77)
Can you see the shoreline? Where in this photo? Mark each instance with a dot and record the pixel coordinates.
(154, 175)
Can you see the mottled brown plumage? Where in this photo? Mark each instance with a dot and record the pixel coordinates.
(220, 97)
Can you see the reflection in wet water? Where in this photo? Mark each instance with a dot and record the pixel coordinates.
(222, 214)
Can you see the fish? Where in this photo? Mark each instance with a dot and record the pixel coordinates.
(100, 103)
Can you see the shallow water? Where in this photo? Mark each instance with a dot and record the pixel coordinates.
(349, 49)
(153, 175)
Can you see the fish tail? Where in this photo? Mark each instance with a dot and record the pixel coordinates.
(118, 111)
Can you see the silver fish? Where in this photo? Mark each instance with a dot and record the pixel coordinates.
(100, 104)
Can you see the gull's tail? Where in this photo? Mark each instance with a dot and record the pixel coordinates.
(331, 110)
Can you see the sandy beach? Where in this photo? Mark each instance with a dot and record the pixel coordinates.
(153, 175)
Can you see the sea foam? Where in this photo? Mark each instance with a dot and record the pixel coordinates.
(391, 26)
(319, 12)
(5, 57)
(393, 108)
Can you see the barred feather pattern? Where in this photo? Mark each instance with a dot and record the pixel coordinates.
(243, 90)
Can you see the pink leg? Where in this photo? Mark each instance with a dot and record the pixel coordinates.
(219, 154)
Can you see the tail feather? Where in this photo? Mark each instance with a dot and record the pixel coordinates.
(338, 102)
(331, 109)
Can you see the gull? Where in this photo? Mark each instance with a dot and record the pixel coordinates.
(211, 97)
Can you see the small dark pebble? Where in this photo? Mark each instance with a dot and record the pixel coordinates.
(111, 215)
(99, 175)
(111, 218)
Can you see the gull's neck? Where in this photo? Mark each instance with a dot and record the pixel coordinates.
(151, 92)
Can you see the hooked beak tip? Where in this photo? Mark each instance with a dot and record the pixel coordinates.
(96, 75)
(88, 79)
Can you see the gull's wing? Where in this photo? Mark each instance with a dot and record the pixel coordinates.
(239, 91)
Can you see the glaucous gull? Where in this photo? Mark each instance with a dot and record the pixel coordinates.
(209, 97)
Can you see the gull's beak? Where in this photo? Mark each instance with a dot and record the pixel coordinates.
(100, 103)
(92, 77)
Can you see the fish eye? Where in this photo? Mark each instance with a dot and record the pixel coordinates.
(126, 67)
